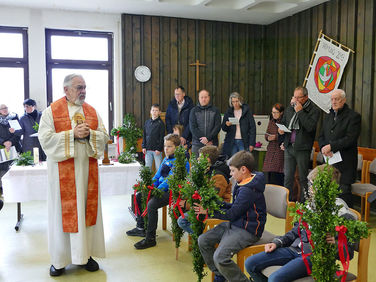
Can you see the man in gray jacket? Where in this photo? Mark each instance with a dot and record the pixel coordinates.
(204, 123)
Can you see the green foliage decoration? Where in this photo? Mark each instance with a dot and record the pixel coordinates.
(320, 212)
(199, 188)
(131, 133)
(36, 127)
(175, 183)
(25, 159)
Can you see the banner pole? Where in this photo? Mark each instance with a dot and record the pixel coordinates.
(312, 58)
(340, 45)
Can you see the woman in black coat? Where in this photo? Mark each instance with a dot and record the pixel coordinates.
(241, 136)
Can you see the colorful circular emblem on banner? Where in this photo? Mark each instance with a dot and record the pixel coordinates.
(326, 74)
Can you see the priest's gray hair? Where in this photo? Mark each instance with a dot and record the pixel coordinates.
(235, 95)
(68, 79)
(342, 92)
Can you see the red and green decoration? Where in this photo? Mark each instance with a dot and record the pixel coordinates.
(147, 189)
(319, 217)
(130, 133)
(199, 188)
(175, 183)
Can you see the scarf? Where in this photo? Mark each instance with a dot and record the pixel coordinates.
(4, 119)
(294, 122)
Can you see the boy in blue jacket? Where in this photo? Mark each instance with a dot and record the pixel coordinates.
(160, 181)
(246, 216)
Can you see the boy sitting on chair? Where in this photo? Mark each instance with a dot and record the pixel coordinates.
(246, 215)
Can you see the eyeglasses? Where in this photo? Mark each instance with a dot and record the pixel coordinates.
(299, 97)
(80, 87)
(5, 108)
(275, 112)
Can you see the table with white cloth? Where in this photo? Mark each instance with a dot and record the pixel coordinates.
(30, 183)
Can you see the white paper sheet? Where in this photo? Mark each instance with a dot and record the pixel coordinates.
(14, 124)
(282, 127)
(336, 158)
(233, 120)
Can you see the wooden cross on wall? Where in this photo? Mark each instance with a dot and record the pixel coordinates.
(197, 65)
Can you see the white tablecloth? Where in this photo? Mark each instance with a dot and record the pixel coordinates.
(29, 183)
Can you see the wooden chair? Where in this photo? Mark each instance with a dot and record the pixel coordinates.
(362, 267)
(364, 189)
(277, 205)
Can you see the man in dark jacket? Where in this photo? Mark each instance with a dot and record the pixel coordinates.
(340, 132)
(204, 123)
(301, 119)
(178, 111)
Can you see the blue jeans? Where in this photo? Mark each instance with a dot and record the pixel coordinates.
(292, 264)
(237, 146)
(150, 155)
(185, 224)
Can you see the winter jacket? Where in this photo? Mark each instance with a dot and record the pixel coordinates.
(174, 117)
(205, 121)
(305, 135)
(154, 131)
(248, 210)
(27, 121)
(247, 129)
(5, 135)
(160, 179)
(342, 135)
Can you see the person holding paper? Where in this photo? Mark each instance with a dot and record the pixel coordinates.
(339, 133)
(239, 125)
(301, 119)
(29, 125)
(73, 136)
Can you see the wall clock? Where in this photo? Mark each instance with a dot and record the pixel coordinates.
(142, 73)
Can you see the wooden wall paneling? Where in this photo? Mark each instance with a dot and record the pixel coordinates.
(242, 59)
(250, 97)
(321, 19)
(191, 59)
(226, 58)
(138, 107)
(351, 39)
(201, 53)
(209, 46)
(270, 62)
(304, 45)
(234, 60)
(147, 50)
(183, 58)
(219, 63)
(334, 17)
(258, 107)
(343, 39)
(155, 61)
(359, 57)
(174, 58)
(128, 64)
(166, 65)
(367, 72)
(292, 56)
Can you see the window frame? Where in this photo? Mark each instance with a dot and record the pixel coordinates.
(81, 64)
(9, 62)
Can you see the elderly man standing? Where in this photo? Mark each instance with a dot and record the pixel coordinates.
(301, 119)
(204, 123)
(339, 133)
(73, 137)
(178, 111)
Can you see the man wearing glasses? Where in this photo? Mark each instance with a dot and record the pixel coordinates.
(73, 137)
(301, 119)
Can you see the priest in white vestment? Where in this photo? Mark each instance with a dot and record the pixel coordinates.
(73, 137)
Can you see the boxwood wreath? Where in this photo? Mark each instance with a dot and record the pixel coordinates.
(130, 133)
(319, 216)
(199, 188)
(146, 188)
(175, 183)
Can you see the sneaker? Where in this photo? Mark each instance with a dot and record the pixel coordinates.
(145, 243)
(136, 232)
(219, 278)
(91, 265)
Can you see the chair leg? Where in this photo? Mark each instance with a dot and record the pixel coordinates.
(164, 218)
(189, 243)
(362, 206)
(367, 208)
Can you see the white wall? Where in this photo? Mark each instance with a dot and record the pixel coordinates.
(36, 20)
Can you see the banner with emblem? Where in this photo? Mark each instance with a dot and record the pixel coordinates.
(325, 70)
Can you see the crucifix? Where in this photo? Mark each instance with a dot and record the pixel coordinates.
(198, 65)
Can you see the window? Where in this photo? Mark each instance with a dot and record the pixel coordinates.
(87, 53)
(14, 68)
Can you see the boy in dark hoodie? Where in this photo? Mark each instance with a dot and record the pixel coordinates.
(152, 142)
(246, 216)
(221, 179)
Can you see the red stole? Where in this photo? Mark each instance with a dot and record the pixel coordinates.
(67, 182)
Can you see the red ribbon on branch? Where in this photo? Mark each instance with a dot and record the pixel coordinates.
(196, 196)
(117, 142)
(342, 243)
(150, 187)
(179, 207)
(136, 208)
(309, 233)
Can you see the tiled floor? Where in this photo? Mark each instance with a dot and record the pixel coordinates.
(24, 255)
